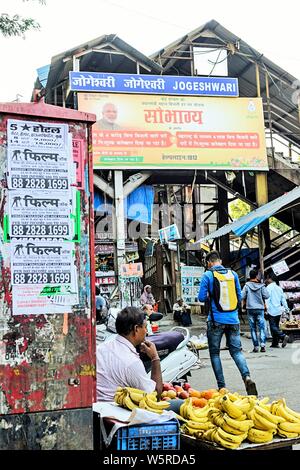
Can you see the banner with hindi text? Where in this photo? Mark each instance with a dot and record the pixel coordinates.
(141, 131)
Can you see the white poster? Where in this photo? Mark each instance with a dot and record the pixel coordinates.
(43, 277)
(280, 268)
(35, 300)
(38, 169)
(40, 214)
(38, 155)
(26, 134)
(190, 282)
(41, 262)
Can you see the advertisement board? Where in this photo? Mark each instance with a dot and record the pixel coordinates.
(140, 131)
(190, 283)
(157, 84)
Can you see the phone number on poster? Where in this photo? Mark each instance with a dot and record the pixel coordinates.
(39, 230)
(41, 278)
(40, 183)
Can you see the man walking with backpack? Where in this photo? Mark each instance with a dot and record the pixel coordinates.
(222, 287)
(254, 295)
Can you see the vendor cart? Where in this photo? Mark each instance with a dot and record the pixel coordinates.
(191, 443)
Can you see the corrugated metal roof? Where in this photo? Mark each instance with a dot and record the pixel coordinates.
(241, 63)
(256, 217)
(43, 73)
(59, 68)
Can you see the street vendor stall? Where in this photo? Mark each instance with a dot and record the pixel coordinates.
(192, 444)
(209, 420)
(291, 325)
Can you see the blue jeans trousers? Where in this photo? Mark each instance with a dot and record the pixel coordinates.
(257, 322)
(232, 333)
(276, 332)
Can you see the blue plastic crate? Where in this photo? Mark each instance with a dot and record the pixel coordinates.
(162, 436)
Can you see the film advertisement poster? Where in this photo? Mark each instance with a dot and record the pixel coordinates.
(43, 277)
(40, 214)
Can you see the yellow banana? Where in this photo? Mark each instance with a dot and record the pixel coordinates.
(134, 390)
(230, 408)
(208, 435)
(136, 397)
(201, 412)
(232, 437)
(231, 429)
(289, 410)
(244, 405)
(264, 401)
(262, 423)
(216, 417)
(153, 410)
(195, 418)
(160, 405)
(233, 396)
(223, 443)
(119, 397)
(129, 403)
(267, 415)
(287, 434)
(188, 407)
(292, 412)
(258, 436)
(281, 411)
(242, 426)
(289, 427)
(274, 406)
(182, 410)
(192, 432)
(199, 426)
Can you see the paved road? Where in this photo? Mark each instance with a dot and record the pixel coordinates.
(276, 372)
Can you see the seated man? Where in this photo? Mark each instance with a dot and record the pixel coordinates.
(119, 364)
(182, 313)
(151, 314)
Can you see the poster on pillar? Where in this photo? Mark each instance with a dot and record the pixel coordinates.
(140, 131)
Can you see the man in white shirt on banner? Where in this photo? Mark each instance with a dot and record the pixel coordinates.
(118, 362)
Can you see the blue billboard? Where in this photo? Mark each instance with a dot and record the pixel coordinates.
(153, 84)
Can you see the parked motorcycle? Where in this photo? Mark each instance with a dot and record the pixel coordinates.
(176, 359)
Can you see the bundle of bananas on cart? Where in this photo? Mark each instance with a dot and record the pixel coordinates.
(230, 419)
(132, 398)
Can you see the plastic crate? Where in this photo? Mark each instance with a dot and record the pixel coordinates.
(163, 436)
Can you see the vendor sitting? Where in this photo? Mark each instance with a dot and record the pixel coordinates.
(119, 364)
(151, 314)
(182, 313)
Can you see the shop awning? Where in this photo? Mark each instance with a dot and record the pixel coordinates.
(254, 218)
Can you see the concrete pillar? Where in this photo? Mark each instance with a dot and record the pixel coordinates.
(223, 220)
(120, 218)
(261, 190)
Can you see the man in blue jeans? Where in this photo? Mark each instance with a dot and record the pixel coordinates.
(254, 295)
(276, 305)
(223, 318)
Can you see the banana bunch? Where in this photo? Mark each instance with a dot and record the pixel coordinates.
(149, 402)
(129, 397)
(189, 412)
(258, 436)
(289, 425)
(132, 398)
(236, 411)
